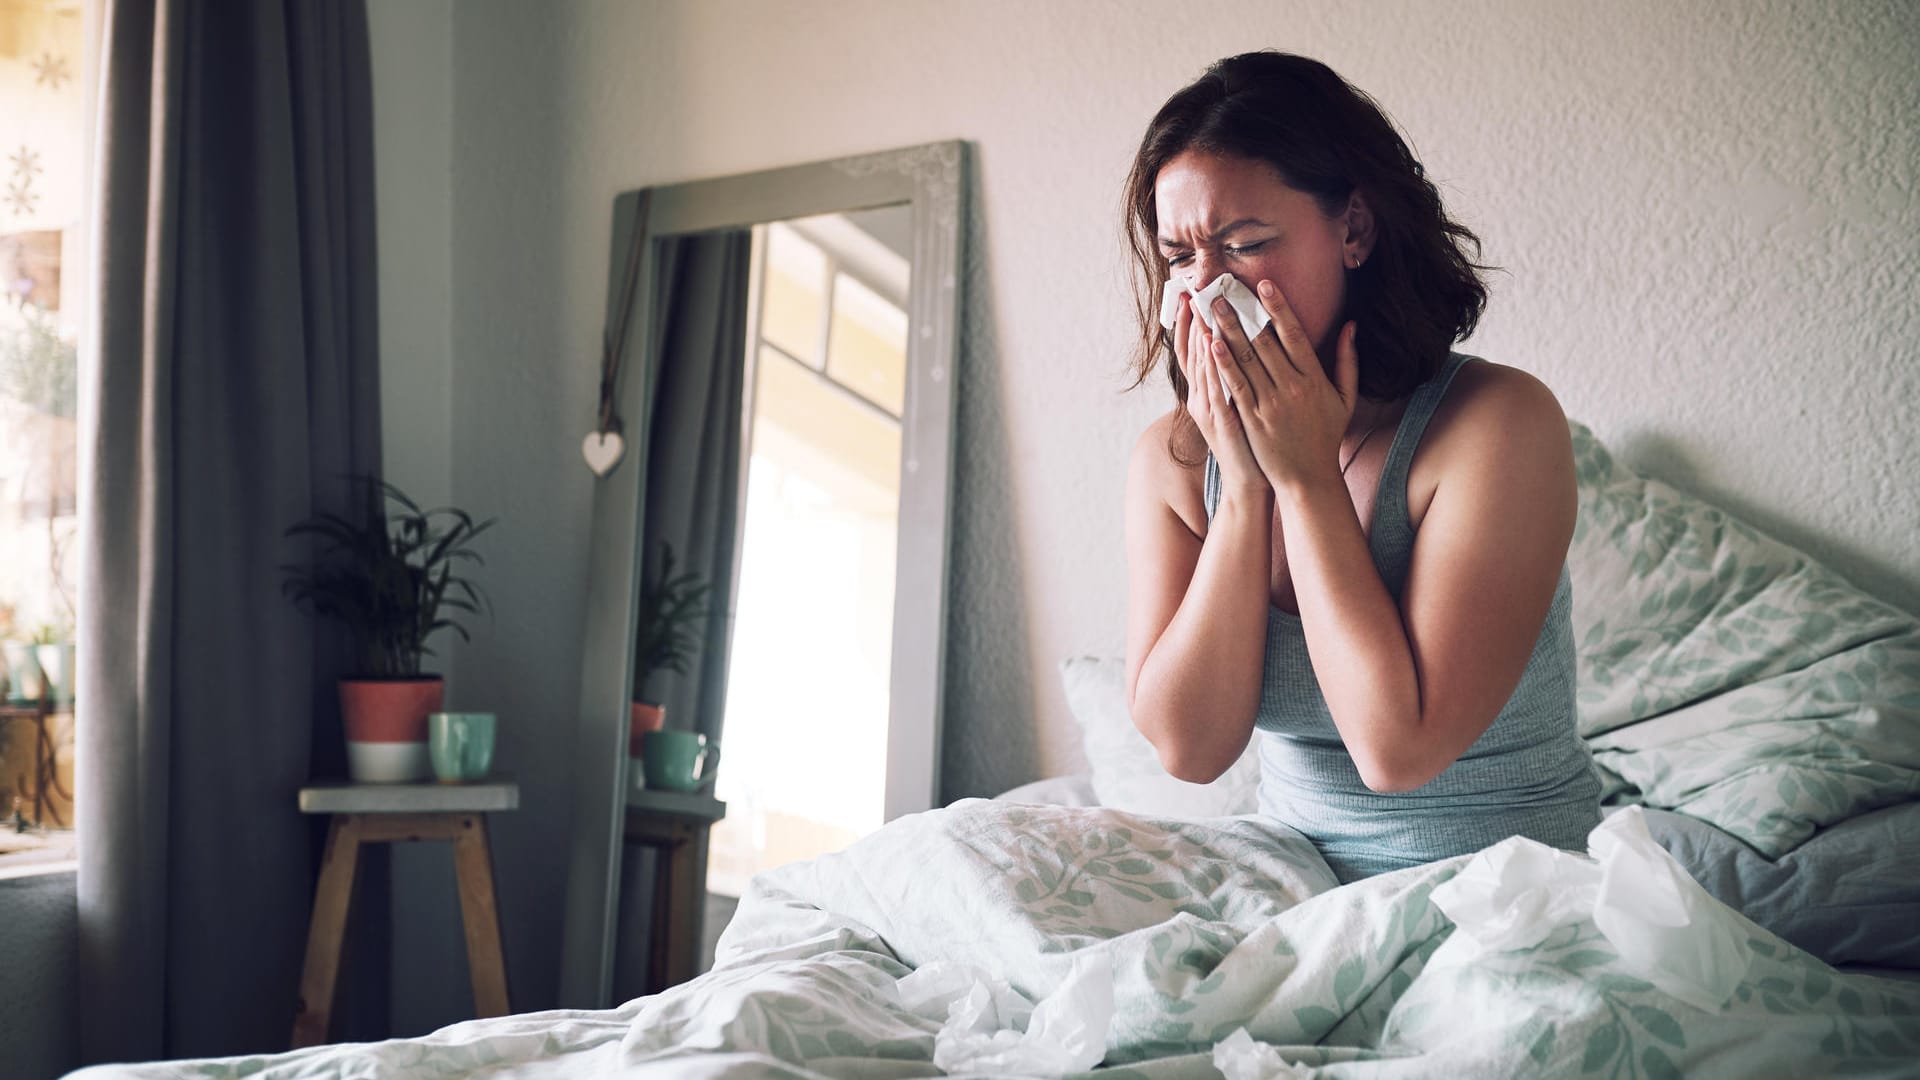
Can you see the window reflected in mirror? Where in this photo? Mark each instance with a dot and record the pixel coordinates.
(810, 663)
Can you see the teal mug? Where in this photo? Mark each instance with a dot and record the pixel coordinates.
(678, 760)
(461, 745)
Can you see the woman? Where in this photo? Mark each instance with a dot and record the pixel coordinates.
(1343, 535)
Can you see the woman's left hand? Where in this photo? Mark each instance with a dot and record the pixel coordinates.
(1294, 417)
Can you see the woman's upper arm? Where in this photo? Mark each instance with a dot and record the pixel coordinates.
(1487, 559)
(1162, 549)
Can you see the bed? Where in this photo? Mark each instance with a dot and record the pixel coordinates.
(1750, 906)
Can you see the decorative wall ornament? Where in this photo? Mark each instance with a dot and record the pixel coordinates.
(20, 196)
(605, 445)
(51, 71)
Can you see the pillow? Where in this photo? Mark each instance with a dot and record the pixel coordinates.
(1849, 895)
(1074, 789)
(1728, 676)
(1127, 774)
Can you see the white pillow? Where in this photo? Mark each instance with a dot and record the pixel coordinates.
(1126, 769)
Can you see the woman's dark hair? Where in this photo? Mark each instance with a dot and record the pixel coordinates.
(1417, 293)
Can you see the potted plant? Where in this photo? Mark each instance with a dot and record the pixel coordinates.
(19, 671)
(672, 614)
(389, 580)
(54, 652)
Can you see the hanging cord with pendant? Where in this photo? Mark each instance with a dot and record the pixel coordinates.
(614, 342)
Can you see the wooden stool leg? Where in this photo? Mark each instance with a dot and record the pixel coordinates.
(683, 913)
(331, 898)
(480, 912)
(659, 926)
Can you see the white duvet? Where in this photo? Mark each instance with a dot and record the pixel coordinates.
(1007, 940)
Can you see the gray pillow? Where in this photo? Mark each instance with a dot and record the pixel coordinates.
(1850, 894)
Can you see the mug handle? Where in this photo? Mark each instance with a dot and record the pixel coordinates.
(711, 755)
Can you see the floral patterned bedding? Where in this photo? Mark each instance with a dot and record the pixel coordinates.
(1727, 676)
(1214, 947)
(1724, 676)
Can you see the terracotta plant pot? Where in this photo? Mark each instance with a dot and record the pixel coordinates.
(386, 722)
(642, 719)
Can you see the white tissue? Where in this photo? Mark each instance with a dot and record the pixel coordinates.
(1664, 925)
(1065, 1033)
(1661, 920)
(1240, 1057)
(1516, 892)
(1252, 314)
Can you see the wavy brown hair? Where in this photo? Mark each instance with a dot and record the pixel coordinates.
(1418, 292)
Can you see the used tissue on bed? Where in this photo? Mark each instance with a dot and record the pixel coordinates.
(1240, 1056)
(1664, 925)
(989, 1027)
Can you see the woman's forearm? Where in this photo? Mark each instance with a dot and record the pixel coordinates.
(1355, 636)
(1199, 686)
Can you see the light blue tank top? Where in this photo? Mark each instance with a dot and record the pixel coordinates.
(1528, 774)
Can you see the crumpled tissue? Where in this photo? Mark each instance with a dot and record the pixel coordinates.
(1252, 314)
(983, 1018)
(1240, 1056)
(1665, 926)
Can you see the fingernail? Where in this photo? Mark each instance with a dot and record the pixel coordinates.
(1266, 288)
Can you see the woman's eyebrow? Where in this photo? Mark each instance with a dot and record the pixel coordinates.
(1223, 230)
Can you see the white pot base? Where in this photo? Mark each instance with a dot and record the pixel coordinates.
(388, 762)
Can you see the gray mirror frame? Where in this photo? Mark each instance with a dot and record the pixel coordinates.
(934, 178)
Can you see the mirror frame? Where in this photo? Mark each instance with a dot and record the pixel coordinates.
(934, 179)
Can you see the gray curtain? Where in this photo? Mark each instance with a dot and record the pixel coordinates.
(696, 380)
(234, 388)
(693, 449)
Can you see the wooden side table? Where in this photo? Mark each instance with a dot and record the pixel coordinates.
(389, 813)
(49, 794)
(674, 824)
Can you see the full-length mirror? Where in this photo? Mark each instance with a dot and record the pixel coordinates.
(769, 554)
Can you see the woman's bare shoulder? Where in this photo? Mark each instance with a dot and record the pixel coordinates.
(1493, 417)
(1491, 403)
(1153, 471)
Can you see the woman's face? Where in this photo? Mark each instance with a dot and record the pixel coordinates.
(1234, 215)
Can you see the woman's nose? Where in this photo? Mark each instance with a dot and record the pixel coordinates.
(1204, 269)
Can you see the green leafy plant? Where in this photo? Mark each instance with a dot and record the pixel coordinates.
(37, 368)
(673, 608)
(389, 578)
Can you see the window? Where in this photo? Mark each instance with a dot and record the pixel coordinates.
(43, 294)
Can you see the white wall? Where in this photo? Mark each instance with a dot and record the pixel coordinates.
(412, 47)
(1706, 212)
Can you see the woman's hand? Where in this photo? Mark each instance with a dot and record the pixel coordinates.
(1294, 418)
(1219, 424)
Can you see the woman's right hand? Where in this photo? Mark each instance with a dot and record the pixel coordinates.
(1207, 403)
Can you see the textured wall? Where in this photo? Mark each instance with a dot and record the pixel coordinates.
(1706, 213)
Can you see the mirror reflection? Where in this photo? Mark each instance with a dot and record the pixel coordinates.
(767, 561)
(806, 692)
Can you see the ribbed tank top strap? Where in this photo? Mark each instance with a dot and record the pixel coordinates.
(1210, 489)
(1392, 534)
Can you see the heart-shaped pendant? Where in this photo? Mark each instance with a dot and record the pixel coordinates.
(602, 450)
